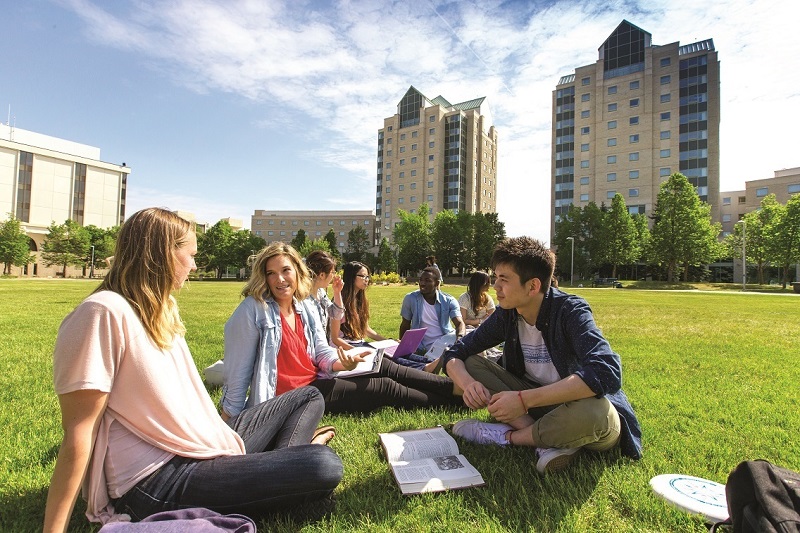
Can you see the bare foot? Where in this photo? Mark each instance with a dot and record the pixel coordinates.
(323, 435)
(433, 366)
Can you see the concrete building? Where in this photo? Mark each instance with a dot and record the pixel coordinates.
(283, 225)
(435, 152)
(625, 123)
(734, 204)
(44, 179)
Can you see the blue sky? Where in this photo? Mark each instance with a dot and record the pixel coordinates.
(224, 107)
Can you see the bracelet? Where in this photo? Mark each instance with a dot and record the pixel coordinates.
(519, 393)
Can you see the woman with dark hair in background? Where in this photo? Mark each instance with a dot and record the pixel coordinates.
(476, 304)
(354, 328)
(323, 268)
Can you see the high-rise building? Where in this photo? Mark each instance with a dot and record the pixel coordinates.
(45, 179)
(438, 153)
(625, 123)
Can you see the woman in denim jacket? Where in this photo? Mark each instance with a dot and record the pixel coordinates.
(274, 343)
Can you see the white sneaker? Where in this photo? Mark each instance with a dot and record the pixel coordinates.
(554, 459)
(482, 432)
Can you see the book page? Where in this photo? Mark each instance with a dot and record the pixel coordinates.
(445, 468)
(418, 444)
(365, 367)
(387, 343)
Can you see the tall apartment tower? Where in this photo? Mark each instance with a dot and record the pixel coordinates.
(437, 153)
(627, 122)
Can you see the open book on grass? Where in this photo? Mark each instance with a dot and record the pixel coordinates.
(427, 460)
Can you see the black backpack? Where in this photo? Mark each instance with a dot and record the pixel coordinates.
(762, 497)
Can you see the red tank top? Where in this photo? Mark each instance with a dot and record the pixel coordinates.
(295, 368)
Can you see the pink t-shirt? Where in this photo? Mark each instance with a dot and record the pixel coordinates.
(157, 404)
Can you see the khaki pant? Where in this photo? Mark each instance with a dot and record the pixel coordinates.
(592, 423)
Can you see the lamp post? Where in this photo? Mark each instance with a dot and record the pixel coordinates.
(572, 262)
(91, 266)
(744, 253)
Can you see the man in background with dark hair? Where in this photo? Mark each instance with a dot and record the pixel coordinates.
(557, 386)
(430, 308)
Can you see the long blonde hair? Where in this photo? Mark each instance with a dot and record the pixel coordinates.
(257, 285)
(143, 270)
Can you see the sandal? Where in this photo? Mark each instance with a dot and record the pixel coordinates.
(320, 433)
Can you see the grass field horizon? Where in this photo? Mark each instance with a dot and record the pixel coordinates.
(712, 376)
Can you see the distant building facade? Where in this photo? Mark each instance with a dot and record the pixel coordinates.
(734, 204)
(283, 226)
(625, 123)
(438, 153)
(45, 179)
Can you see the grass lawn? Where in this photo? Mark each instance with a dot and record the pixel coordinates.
(712, 376)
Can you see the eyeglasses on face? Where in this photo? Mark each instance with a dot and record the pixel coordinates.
(363, 276)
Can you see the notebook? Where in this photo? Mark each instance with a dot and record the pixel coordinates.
(408, 344)
(370, 365)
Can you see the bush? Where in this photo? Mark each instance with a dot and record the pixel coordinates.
(388, 277)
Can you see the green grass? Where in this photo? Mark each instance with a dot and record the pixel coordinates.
(713, 378)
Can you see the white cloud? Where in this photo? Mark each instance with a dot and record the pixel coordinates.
(344, 66)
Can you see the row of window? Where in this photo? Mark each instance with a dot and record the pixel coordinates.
(632, 193)
(634, 85)
(259, 222)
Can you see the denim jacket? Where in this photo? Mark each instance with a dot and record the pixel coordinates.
(446, 308)
(576, 346)
(252, 340)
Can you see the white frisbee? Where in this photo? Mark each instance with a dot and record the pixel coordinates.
(693, 494)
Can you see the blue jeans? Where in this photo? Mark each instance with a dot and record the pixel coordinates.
(280, 469)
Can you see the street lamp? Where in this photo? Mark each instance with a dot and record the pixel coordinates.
(744, 253)
(91, 266)
(572, 262)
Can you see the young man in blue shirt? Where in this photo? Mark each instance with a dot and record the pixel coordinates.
(429, 308)
(557, 386)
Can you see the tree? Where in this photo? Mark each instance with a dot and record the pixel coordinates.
(448, 240)
(66, 244)
(756, 239)
(14, 245)
(214, 248)
(309, 246)
(412, 235)
(784, 229)
(330, 238)
(299, 240)
(622, 247)
(642, 238)
(386, 258)
(358, 243)
(104, 241)
(682, 231)
(488, 230)
(243, 245)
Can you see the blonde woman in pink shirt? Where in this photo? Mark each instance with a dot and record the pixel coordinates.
(141, 434)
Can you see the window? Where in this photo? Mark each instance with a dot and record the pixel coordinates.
(585, 97)
(432, 131)
(283, 234)
(665, 115)
(612, 142)
(792, 189)
(402, 175)
(330, 222)
(612, 124)
(611, 194)
(413, 185)
(388, 177)
(665, 153)
(388, 190)
(430, 185)
(305, 222)
(726, 200)
(611, 177)
(612, 107)
(633, 174)
(612, 89)
(585, 147)
(663, 172)
(402, 149)
(258, 222)
(402, 136)
(761, 192)
(665, 98)
(634, 85)
(726, 218)
(742, 199)
(430, 197)
(665, 61)
(584, 164)
(413, 173)
(634, 138)
(632, 193)
(430, 144)
(389, 165)
(402, 162)
(665, 80)
(402, 187)
(585, 180)
(400, 200)
(430, 157)
(611, 159)
(584, 197)
(585, 114)
(665, 134)
(430, 171)
(633, 121)
(634, 102)
(431, 118)
(585, 130)
(319, 222)
(413, 147)
(633, 156)
(413, 134)
(413, 160)
(586, 81)
(413, 199)
(389, 140)
(366, 222)
(270, 233)
(355, 222)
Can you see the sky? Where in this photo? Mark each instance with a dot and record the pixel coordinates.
(224, 107)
